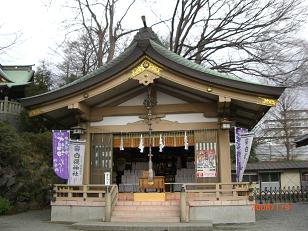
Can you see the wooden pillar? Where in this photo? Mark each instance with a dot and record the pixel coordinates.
(224, 156)
(87, 157)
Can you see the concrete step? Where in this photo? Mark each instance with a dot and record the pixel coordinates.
(161, 203)
(146, 213)
(138, 226)
(144, 219)
(146, 208)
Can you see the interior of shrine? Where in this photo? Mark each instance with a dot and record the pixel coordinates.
(174, 163)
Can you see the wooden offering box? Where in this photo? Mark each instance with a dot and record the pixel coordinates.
(158, 183)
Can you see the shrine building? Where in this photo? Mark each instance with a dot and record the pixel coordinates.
(151, 98)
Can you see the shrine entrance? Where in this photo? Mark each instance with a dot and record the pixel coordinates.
(174, 164)
(175, 155)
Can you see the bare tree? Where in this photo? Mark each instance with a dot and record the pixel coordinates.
(250, 37)
(78, 59)
(7, 41)
(104, 29)
(283, 123)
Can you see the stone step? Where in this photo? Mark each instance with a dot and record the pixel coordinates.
(146, 213)
(146, 208)
(161, 203)
(141, 226)
(145, 219)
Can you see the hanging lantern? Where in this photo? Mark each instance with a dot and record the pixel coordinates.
(161, 143)
(121, 143)
(186, 145)
(141, 144)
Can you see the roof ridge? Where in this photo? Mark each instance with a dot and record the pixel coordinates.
(91, 74)
(4, 76)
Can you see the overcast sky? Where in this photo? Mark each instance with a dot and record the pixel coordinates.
(38, 24)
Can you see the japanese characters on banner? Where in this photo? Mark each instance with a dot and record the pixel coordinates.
(206, 160)
(76, 162)
(243, 142)
(60, 149)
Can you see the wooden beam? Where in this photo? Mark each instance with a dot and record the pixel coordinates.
(81, 108)
(122, 97)
(209, 109)
(224, 106)
(80, 96)
(143, 127)
(182, 94)
(219, 91)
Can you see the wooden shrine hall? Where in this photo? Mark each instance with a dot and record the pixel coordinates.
(189, 111)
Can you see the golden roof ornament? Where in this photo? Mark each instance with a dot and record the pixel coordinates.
(145, 72)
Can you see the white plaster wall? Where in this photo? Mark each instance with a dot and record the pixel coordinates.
(116, 120)
(189, 118)
(162, 99)
(290, 178)
(136, 101)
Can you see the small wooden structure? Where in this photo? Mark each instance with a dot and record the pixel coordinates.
(193, 105)
(158, 184)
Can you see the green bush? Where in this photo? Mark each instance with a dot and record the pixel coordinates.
(5, 206)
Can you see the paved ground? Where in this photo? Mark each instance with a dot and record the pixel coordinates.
(294, 219)
(37, 220)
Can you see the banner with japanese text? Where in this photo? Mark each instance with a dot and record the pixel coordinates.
(60, 150)
(76, 162)
(246, 143)
(206, 160)
(243, 142)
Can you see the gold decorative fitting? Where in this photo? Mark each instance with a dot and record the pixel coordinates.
(209, 89)
(145, 72)
(145, 66)
(268, 102)
(35, 112)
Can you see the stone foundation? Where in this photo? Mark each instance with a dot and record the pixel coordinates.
(77, 211)
(222, 212)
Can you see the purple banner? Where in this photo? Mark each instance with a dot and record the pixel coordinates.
(237, 140)
(60, 147)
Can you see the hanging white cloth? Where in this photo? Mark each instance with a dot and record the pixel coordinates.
(141, 144)
(186, 145)
(122, 144)
(161, 143)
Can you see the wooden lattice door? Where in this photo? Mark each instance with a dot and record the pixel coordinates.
(101, 157)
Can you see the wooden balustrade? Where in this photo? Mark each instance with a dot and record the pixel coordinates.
(217, 191)
(63, 192)
(10, 107)
(204, 194)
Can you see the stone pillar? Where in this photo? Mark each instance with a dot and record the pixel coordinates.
(224, 156)
(108, 205)
(183, 205)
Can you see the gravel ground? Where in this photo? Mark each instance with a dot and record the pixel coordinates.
(294, 219)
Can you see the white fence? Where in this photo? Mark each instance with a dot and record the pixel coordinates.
(10, 107)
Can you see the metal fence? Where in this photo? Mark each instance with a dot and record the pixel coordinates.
(280, 195)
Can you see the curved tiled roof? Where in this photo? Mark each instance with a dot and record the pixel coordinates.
(276, 165)
(146, 43)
